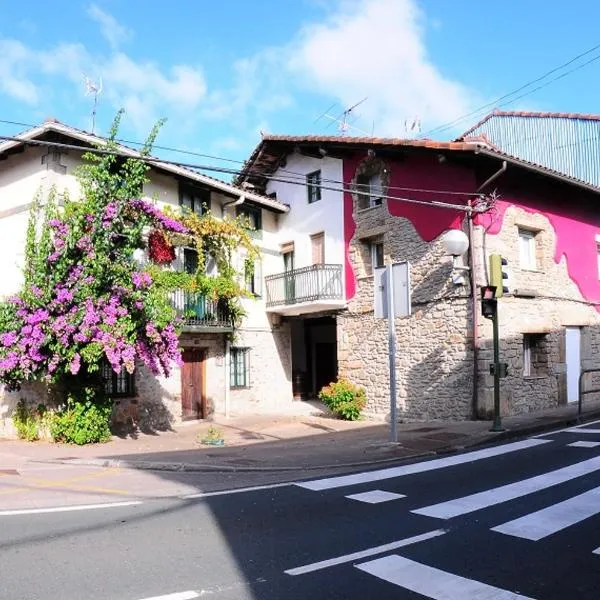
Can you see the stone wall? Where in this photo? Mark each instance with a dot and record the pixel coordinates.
(434, 360)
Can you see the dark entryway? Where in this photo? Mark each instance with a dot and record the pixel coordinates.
(193, 384)
(314, 355)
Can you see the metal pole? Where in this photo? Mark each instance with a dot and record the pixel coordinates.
(392, 354)
(497, 425)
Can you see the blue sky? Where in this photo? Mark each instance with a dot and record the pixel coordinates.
(222, 72)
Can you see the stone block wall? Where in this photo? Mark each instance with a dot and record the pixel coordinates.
(434, 359)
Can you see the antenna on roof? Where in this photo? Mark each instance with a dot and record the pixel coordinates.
(343, 119)
(412, 125)
(93, 89)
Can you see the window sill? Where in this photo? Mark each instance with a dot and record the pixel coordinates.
(528, 270)
(239, 387)
(365, 277)
(360, 211)
(534, 377)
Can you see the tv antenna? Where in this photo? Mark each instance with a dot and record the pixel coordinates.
(412, 125)
(93, 89)
(343, 119)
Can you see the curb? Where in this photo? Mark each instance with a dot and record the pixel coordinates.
(488, 438)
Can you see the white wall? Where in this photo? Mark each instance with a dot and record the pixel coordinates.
(306, 219)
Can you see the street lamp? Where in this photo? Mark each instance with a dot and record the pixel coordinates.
(456, 243)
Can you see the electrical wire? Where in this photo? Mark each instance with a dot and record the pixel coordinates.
(213, 168)
(484, 107)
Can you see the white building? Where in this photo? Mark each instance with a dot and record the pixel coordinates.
(252, 373)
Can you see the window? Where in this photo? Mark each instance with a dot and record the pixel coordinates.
(317, 243)
(370, 190)
(535, 355)
(313, 186)
(118, 384)
(253, 278)
(239, 376)
(190, 260)
(377, 256)
(527, 249)
(254, 216)
(195, 199)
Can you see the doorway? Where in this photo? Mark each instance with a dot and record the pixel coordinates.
(573, 356)
(193, 384)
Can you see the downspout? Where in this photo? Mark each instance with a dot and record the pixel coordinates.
(237, 202)
(227, 368)
(473, 274)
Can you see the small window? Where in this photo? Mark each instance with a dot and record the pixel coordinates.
(313, 186)
(527, 249)
(254, 216)
(535, 355)
(194, 199)
(118, 385)
(253, 278)
(239, 376)
(377, 256)
(370, 190)
(190, 260)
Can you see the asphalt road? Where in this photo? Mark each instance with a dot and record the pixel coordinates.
(521, 520)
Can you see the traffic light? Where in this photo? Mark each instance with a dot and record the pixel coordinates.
(498, 274)
(489, 304)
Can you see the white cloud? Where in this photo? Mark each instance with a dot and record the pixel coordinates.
(114, 33)
(14, 59)
(376, 48)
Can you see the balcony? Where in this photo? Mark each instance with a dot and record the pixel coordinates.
(200, 313)
(307, 290)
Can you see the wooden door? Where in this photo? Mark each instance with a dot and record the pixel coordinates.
(318, 248)
(193, 384)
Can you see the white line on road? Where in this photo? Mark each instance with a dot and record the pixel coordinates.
(511, 491)
(254, 488)
(433, 583)
(580, 430)
(545, 522)
(420, 467)
(189, 595)
(596, 551)
(59, 509)
(339, 560)
(564, 429)
(375, 496)
(584, 444)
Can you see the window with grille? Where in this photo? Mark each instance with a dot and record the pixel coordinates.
(118, 385)
(313, 186)
(239, 376)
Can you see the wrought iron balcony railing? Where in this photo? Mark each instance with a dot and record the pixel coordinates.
(308, 284)
(198, 311)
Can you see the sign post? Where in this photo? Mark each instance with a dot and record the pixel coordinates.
(392, 300)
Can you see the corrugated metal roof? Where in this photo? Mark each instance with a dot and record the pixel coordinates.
(566, 143)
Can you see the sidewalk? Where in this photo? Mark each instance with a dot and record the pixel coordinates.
(267, 443)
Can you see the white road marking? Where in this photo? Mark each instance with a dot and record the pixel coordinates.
(59, 509)
(339, 560)
(580, 430)
(420, 467)
(254, 488)
(189, 595)
(375, 496)
(565, 429)
(545, 522)
(596, 551)
(584, 444)
(504, 493)
(433, 583)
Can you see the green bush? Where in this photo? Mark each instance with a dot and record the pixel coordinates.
(344, 399)
(26, 422)
(81, 422)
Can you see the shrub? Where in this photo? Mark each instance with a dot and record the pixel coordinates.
(82, 421)
(26, 422)
(344, 399)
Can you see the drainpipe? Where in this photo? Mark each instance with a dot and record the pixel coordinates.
(473, 275)
(226, 369)
(237, 202)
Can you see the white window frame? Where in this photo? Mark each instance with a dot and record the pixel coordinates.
(526, 355)
(313, 186)
(373, 247)
(527, 239)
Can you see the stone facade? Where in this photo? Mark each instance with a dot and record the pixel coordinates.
(434, 360)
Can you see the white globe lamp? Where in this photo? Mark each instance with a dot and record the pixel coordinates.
(455, 242)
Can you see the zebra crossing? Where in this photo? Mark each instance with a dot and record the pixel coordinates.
(393, 563)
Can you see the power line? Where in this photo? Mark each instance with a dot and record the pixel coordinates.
(196, 167)
(287, 171)
(495, 102)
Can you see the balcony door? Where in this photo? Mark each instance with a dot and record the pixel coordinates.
(288, 279)
(317, 243)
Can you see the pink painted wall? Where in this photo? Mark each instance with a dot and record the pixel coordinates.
(419, 172)
(576, 223)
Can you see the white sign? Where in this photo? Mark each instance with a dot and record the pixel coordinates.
(401, 283)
